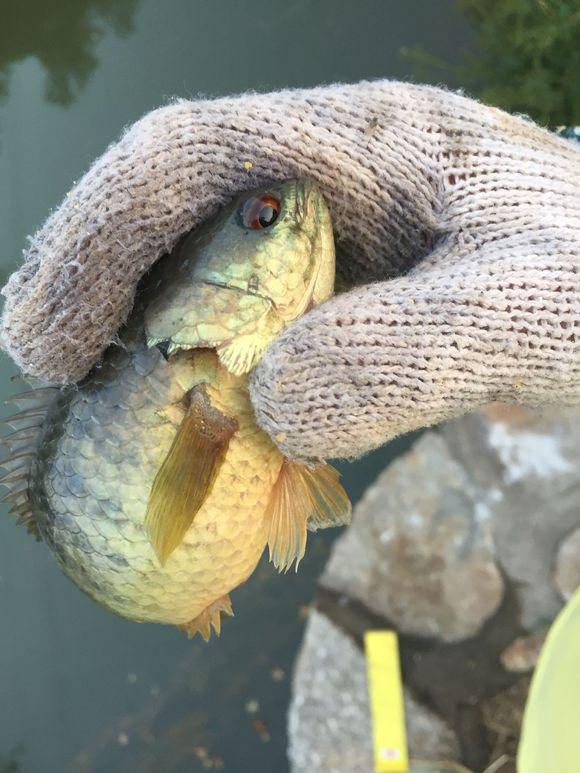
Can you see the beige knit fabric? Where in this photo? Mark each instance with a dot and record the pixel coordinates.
(480, 210)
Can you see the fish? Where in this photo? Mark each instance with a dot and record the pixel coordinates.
(150, 480)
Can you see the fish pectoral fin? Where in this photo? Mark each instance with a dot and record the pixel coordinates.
(242, 353)
(303, 498)
(208, 619)
(187, 474)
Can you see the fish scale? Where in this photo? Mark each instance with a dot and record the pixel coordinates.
(138, 587)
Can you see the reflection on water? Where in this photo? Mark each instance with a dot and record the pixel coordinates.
(528, 58)
(11, 763)
(62, 35)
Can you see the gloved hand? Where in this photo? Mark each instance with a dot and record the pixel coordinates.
(476, 212)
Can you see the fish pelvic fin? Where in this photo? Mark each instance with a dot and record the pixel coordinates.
(303, 498)
(186, 477)
(20, 447)
(208, 619)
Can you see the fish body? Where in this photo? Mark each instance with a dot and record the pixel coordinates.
(151, 481)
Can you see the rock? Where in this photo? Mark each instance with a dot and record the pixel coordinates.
(455, 546)
(329, 724)
(490, 490)
(502, 716)
(523, 653)
(419, 551)
(567, 572)
(530, 459)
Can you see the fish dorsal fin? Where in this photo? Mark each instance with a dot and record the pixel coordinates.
(21, 446)
(303, 498)
(187, 474)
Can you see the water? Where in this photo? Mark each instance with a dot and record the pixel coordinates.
(82, 690)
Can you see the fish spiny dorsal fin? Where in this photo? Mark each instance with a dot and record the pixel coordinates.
(187, 475)
(20, 447)
(303, 498)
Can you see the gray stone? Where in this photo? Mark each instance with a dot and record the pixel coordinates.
(498, 489)
(329, 724)
(419, 551)
(489, 502)
(530, 462)
(522, 654)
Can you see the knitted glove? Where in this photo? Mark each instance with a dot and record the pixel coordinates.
(477, 214)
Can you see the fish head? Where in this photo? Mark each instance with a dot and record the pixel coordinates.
(259, 264)
(278, 243)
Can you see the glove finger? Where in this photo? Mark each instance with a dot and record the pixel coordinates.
(395, 356)
(399, 164)
(176, 166)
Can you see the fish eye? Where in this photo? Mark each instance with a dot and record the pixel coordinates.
(260, 212)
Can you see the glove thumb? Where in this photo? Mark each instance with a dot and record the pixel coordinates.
(394, 356)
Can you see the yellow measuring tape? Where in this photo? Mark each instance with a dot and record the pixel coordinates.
(386, 700)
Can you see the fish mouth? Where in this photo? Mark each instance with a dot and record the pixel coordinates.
(163, 347)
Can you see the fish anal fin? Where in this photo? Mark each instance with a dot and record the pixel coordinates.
(303, 498)
(187, 474)
(208, 619)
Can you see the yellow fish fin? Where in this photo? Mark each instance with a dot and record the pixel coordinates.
(187, 475)
(242, 353)
(303, 498)
(208, 619)
(549, 740)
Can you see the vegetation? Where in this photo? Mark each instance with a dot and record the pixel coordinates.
(62, 36)
(528, 59)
